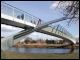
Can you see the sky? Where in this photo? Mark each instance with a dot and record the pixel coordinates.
(45, 10)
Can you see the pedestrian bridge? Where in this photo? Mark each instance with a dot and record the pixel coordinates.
(16, 17)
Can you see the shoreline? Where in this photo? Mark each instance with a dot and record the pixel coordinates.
(46, 46)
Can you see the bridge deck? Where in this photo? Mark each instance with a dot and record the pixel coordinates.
(9, 16)
(5, 19)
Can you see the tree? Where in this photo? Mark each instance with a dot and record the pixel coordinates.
(33, 41)
(50, 41)
(61, 41)
(53, 41)
(40, 40)
(69, 9)
(28, 39)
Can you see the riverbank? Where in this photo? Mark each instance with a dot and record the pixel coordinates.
(16, 55)
(47, 46)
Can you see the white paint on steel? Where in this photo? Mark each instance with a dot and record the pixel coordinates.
(16, 20)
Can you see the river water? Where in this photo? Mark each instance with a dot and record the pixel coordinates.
(42, 50)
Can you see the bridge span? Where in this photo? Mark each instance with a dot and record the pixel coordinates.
(16, 17)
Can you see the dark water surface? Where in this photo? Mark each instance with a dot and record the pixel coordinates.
(42, 50)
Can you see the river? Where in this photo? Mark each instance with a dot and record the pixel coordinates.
(42, 50)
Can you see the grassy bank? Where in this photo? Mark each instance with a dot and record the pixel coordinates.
(3, 55)
(16, 55)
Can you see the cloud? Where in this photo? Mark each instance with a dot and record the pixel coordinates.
(54, 5)
(7, 28)
(77, 36)
(36, 35)
(62, 5)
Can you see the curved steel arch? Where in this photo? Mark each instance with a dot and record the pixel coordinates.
(44, 26)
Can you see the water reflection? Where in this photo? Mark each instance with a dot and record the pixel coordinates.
(71, 50)
(42, 50)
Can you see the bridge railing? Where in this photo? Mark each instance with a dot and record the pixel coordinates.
(6, 10)
(17, 13)
(62, 29)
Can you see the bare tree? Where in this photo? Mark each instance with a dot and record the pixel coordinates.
(69, 9)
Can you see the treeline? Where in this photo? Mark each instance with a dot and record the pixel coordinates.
(50, 41)
(30, 40)
(55, 41)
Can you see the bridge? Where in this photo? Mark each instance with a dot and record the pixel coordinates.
(13, 16)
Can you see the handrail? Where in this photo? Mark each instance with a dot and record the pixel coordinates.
(37, 18)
